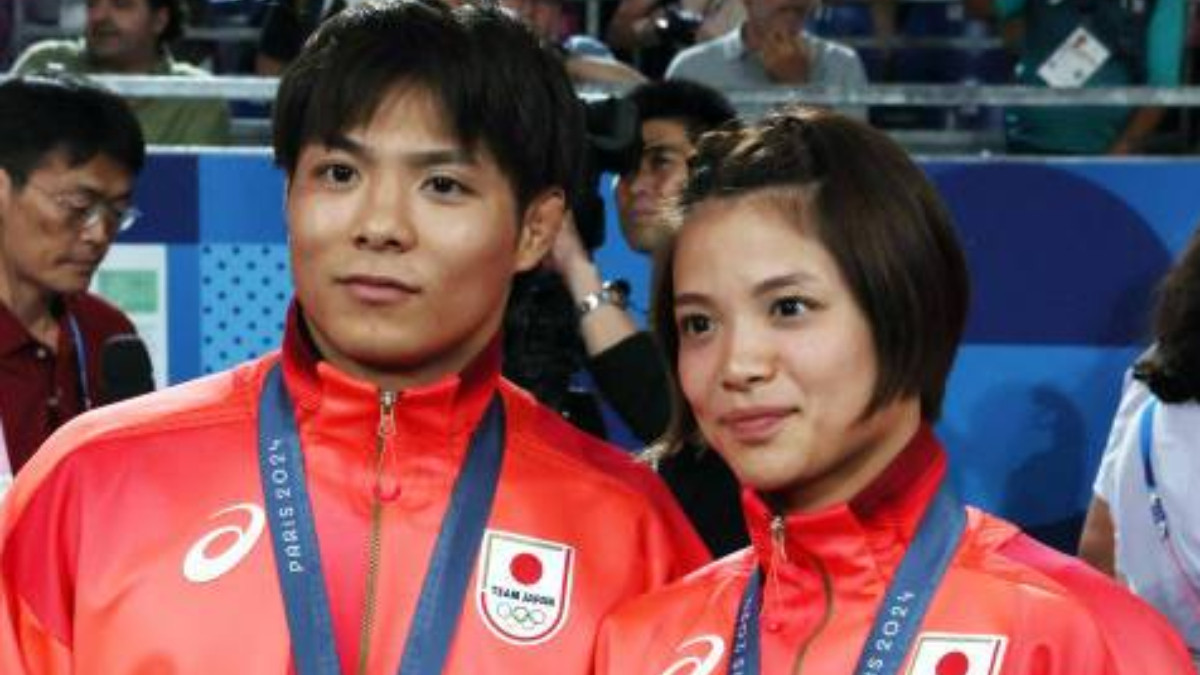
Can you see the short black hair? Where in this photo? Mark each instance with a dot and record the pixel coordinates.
(699, 107)
(1172, 369)
(40, 116)
(176, 18)
(877, 214)
(496, 83)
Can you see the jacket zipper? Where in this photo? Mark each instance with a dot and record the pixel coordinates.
(779, 555)
(387, 427)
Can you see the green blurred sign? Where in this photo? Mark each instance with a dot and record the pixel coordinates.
(135, 291)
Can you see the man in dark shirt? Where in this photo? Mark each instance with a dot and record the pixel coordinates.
(69, 154)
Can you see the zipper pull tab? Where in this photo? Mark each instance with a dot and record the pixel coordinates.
(778, 538)
(385, 487)
(387, 424)
(772, 592)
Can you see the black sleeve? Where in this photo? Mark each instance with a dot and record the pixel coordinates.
(632, 378)
(709, 494)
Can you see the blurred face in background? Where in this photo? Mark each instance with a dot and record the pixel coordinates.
(122, 35)
(656, 183)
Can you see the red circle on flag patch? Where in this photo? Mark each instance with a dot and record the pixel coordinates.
(526, 568)
(953, 663)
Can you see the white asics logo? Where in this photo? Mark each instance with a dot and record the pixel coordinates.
(200, 567)
(702, 664)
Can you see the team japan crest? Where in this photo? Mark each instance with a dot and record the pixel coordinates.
(957, 654)
(524, 586)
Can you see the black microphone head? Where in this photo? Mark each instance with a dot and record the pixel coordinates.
(125, 368)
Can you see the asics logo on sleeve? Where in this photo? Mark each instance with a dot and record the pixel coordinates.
(202, 565)
(699, 664)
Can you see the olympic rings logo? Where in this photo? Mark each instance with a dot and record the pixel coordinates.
(520, 615)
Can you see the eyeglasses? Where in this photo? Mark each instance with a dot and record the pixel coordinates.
(86, 211)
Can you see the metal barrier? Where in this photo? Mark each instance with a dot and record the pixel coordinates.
(262, 89)
(749, 102)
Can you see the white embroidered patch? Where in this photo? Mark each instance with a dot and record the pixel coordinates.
(957, 654)
(523, 588)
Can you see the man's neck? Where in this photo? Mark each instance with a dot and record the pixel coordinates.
(32, 307)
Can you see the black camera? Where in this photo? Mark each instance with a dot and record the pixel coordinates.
(678, 26)
(542, 345)
(613, 144)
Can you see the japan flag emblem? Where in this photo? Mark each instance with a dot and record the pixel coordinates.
(523, 588)
(957, 654)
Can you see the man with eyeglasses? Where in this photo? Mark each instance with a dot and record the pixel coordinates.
(69, 154)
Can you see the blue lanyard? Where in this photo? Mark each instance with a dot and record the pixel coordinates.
(298, 556)
(81, 362)
(905, 603)
(1145, 441)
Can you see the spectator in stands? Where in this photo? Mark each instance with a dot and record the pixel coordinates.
(69, 154)
(1066, 45)
(771, 47)
(655, 30)
(625, 362)
(588, 60)
(811, 304)
(1143, 526)
(133, 37)
(286, 25)
(289, 22)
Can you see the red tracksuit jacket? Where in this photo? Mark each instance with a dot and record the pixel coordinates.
(1007, 605)
(134, 542)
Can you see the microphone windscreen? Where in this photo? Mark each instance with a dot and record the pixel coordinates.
(125, 368)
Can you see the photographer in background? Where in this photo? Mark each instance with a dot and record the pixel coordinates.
(623, 360)
(657, 29)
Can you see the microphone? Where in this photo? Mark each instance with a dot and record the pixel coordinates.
(125, 368)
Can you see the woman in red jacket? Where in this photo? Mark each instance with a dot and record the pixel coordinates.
(813, 300)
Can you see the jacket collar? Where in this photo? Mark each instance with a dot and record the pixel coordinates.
(867, 534)
(440, 411)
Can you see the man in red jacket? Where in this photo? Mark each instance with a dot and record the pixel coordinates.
(375, 498)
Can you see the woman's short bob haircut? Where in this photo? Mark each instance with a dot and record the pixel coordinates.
(880, 219)
(500, 90)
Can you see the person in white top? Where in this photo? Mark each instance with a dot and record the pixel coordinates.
(1144, 522)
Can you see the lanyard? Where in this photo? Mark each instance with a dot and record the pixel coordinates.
(298, 556)
(907, 598)
(1158, 513)
(81, 362)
